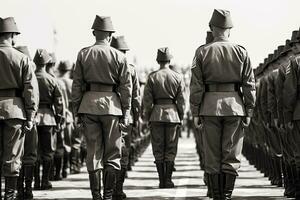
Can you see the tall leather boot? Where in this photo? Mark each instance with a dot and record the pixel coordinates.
(279, 172)
(58, 166)
(229, 181)
(20, 185)
(46, 185)
(75, 161)
(118, 192)
(109, 182)
(37, 178)
(206, 181)
(28, 174)
(161, 173)
(297, 196)
(10, 187)
(95, 184)
(0, 180)
(215, 184)
(65, 165)
(168, 175)
(290, 189)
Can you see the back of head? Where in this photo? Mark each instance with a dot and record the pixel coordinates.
(41, 58)
(102, 27)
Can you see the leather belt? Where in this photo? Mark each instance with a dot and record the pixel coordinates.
(98, 87)
(222, 87)
(164, 101)
(44, 105)
(10, 93)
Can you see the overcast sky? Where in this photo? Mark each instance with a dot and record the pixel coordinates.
(259, 25)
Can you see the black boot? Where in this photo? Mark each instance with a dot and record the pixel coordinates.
(58, 166)
(28, 174)
(37, 178)
(289, 189)
(75, 161)
(95, 184)
(215, 184)
(109, 182)
(298, 185)
(20, 185)
(65, 165)
(168, 175)
(229, 181)
(118, 192)
(161, 173)
(46, 185)
(206, 181)
(10, 187)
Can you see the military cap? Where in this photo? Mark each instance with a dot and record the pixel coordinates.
(65, 65)
(163, 54)
(53, 58)
(103, 23)
(280, 49)
(287, 46)
(275, 55)
(209, 37)
(294, 37)
(24, 50)
(119, 43)
(8, 25)
(298, 35)
(42, 57)
(221, 18)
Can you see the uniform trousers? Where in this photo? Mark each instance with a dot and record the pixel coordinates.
(164, 140)
(222, 141)
(103, 139)
(11, 146)
(296, 144)
(30, 147)
(126, 144)
(47, 142)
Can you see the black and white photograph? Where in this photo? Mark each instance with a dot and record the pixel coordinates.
(149, 100)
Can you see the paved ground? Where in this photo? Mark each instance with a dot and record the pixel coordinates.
(142, 182)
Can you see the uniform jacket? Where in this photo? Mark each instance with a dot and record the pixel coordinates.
(67, 85)
(291, 90)
(263, 96)
(102, 64)
(164, 84)
(272, 94)
(222, 62)
(136, 96)
(16, 73)
(51, 108)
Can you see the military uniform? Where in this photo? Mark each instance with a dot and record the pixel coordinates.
(216, 97)
(100, 72)
(49, 116)
(163, 107)
(18, 103)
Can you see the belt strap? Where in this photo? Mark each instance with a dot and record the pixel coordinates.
(164, 101)
(10, 93)
(98, 87)
(44, 105)
(222, 87)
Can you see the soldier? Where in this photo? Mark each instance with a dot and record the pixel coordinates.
(219, 70)
(120, 44)
(163, 107)
(30, 151)
(292, 108)
(49, 120)
(18, 104)
(100, 72)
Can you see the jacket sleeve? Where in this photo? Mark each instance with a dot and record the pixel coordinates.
(78, 86)
(125, 87)
(180, 103)
(272, 105)
(264, 100)
(197, 87)
(136, 96)
(290, 91)
(248, 87)
(30, 90)
(279, 88)
(148, 99)
(58, 103)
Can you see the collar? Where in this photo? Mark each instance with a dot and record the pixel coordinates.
(102, 42)
(5, 44)
(221, 38)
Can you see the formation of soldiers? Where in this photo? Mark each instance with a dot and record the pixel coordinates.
(98, 111)
(272, 141)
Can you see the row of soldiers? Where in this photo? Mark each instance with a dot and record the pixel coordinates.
(273, 140)
(38, 127)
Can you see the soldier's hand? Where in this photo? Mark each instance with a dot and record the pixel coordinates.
(290, 125)
(28, 125)
(276, 123)
(246, 121)
(197, 122)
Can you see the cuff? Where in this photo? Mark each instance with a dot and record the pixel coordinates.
(126, 113)
(195, 111)
(249, 112)
(288, 117)
(30, 115)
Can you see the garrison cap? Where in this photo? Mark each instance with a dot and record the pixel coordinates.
(287, 46)
(294, 37)
(275, 55)
(103, 23)
(53, 58)
(221, 18)
(24, 50)
(298, 35)
(280, 49)
(163, 54)
(42, 57)
(8, 25)
(65, 65)
(209, 37)
(119, 43)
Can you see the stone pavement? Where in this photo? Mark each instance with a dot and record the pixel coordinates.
(142, 183)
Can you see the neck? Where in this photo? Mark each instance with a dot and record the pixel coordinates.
(41, 69)
(164, 66)
(6, 41)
